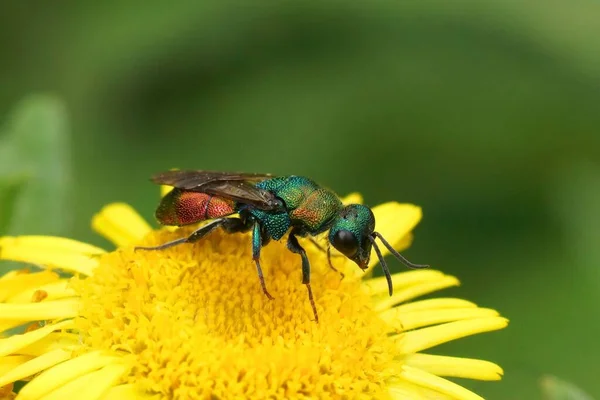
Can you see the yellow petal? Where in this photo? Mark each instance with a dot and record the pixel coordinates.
(436, 383)
(418, 319)
(376, 286)
(421, 339)
(56, 252)
(128, 392)
(455, 366)
(164, 190)
(18, 283)
(121, 224)
(392, 217)
(45, 310)
(12, 344)
(69, 390)
(61, 375)
(99, 382)
(53, 341)
(34, 366)
(404, 243)
(352, 198)
(12, 273)
(8, 363)
(6, 325)
(396, 220)
(51, 243)
(414, 291)
(92, 386)
(54, 291)
(403, 390)
(435, 304)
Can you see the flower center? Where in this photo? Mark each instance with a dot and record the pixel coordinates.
(193, 321)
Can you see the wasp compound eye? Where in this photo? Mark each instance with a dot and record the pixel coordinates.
(345, 242)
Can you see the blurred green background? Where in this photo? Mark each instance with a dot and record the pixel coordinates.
(486, 113)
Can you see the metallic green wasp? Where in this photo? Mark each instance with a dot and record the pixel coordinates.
(270, 207)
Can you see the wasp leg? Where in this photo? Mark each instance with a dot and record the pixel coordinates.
(256, 246)
(318, 246)
(195, 236)
(331, 264)
(329, 255)
(294, 247)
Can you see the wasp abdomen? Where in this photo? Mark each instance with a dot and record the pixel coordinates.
(182, 207)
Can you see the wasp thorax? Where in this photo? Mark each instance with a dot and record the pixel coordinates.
(350, 233)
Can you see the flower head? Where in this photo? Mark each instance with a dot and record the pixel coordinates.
(191, 321)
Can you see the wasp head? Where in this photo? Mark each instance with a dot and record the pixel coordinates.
(351, 233)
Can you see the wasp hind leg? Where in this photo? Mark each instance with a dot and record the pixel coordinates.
(230, 225)
(194, 237)
(295, 247)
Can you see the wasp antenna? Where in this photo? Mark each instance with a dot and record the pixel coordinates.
(384, 266)
(399, 256)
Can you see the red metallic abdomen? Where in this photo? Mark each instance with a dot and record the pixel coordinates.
(180, 207)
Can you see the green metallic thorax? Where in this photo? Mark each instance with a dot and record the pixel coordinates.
(310, 208)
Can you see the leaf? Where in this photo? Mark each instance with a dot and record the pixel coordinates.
(557, 389)
(35, 157)
(10, 188)
(576, 201)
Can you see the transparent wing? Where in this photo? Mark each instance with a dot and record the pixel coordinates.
(237, 186)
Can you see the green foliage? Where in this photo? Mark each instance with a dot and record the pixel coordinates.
(10, 191)
(35, 171)
(577, 203)
(557, 389)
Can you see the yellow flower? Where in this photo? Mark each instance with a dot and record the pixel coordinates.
(192, 322)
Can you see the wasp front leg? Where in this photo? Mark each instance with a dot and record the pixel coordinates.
(257, 243)
(329, 255)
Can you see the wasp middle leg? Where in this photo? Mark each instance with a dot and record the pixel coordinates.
(295, 247)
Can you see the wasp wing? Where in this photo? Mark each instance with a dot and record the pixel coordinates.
(192, 180)
(244, 192)
(237, 186)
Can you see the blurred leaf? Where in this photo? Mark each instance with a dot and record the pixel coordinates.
(9, 193)
(36, 146)
(557, 389)
(576, 195)
(8, 156)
